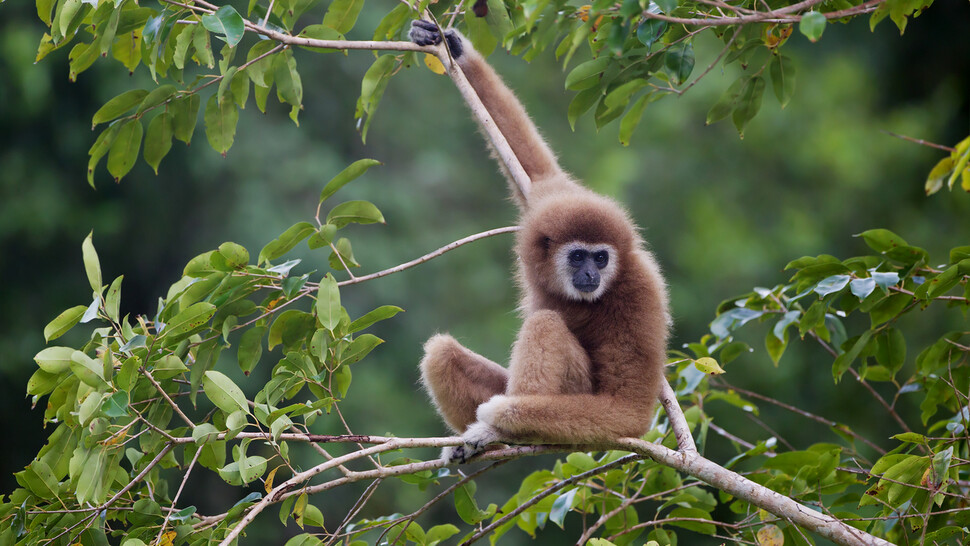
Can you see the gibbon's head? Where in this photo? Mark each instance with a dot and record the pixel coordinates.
(574, 246)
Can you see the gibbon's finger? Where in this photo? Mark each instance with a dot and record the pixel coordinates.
(422, 35)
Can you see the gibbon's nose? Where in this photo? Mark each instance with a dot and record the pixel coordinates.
(587, 279)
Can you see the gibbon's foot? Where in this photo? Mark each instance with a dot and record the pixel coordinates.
(426, 33)
(476, 437)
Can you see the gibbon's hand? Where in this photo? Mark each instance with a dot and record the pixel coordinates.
(476, 437)
(426, 33)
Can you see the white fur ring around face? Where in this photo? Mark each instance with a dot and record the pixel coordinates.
(476, 437)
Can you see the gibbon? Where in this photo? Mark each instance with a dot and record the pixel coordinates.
(587, 365)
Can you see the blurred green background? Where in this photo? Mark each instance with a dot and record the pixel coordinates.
(722, 214)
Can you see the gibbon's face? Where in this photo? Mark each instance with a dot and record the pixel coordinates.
(584, 270)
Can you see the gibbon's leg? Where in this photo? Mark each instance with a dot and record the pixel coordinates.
(459, 380)
(510, 117)
(548, 359)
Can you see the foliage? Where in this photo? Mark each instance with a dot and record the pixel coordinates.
(629, 55)
(118, 398)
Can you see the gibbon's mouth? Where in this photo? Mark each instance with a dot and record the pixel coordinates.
(586, 287)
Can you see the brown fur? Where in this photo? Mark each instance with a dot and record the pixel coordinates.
(581, 371)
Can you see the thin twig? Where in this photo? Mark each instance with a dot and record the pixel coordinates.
(188, 471)
(164, 394)
(431, 255)
(919, 141)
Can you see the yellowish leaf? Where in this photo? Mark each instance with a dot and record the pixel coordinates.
(269, 479)
(168, 538)
(770, 535)
(434, 64)
(708, 365)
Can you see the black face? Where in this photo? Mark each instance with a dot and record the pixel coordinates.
(587, 265)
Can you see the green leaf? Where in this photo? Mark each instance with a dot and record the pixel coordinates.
(359, 212)
(726, 102)
(91, 264)
(679, 61)
(844, 360)
(227, 22)
(220, 124)
(124, 149)
(748, 103)
(650, 31)
(250, 348)
(582, 102)
(54, 360)
(116, 405)
(586, 71)
(561, 507)
(204, 433)
(343, 256)
(381, 313)
(667, 6)
(353, 171)
(328, 303)
(708, 365)
(480, 34)
(236, 255)
(466, 506)
(286, 241)
(782, 71)
(188, 321)
(372, 88)
(359, 348)
(112, 301)
(632, 118)
(224, 393)
(88, 370)
(118, 106)
(812, 25)
(156, 97)
(158, 139)
(342, 14)
(63, 322)
(168, 366)
(185, 115)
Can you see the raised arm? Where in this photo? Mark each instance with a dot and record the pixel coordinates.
(510, 117)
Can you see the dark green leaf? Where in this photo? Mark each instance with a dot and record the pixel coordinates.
(360, 212)
(782, 71)
(185, 114)
(679, 61)
(650, 31)
(158, 139)
(586, 71)
(286, 241)
(748, 103)
(250, 348)
(220, 124)
(124, 149)
(381, 313)
(227, 22)
(350, 173)
(119, 105)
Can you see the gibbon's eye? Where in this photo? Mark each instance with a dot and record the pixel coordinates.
(601, 258)
(577, 257)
